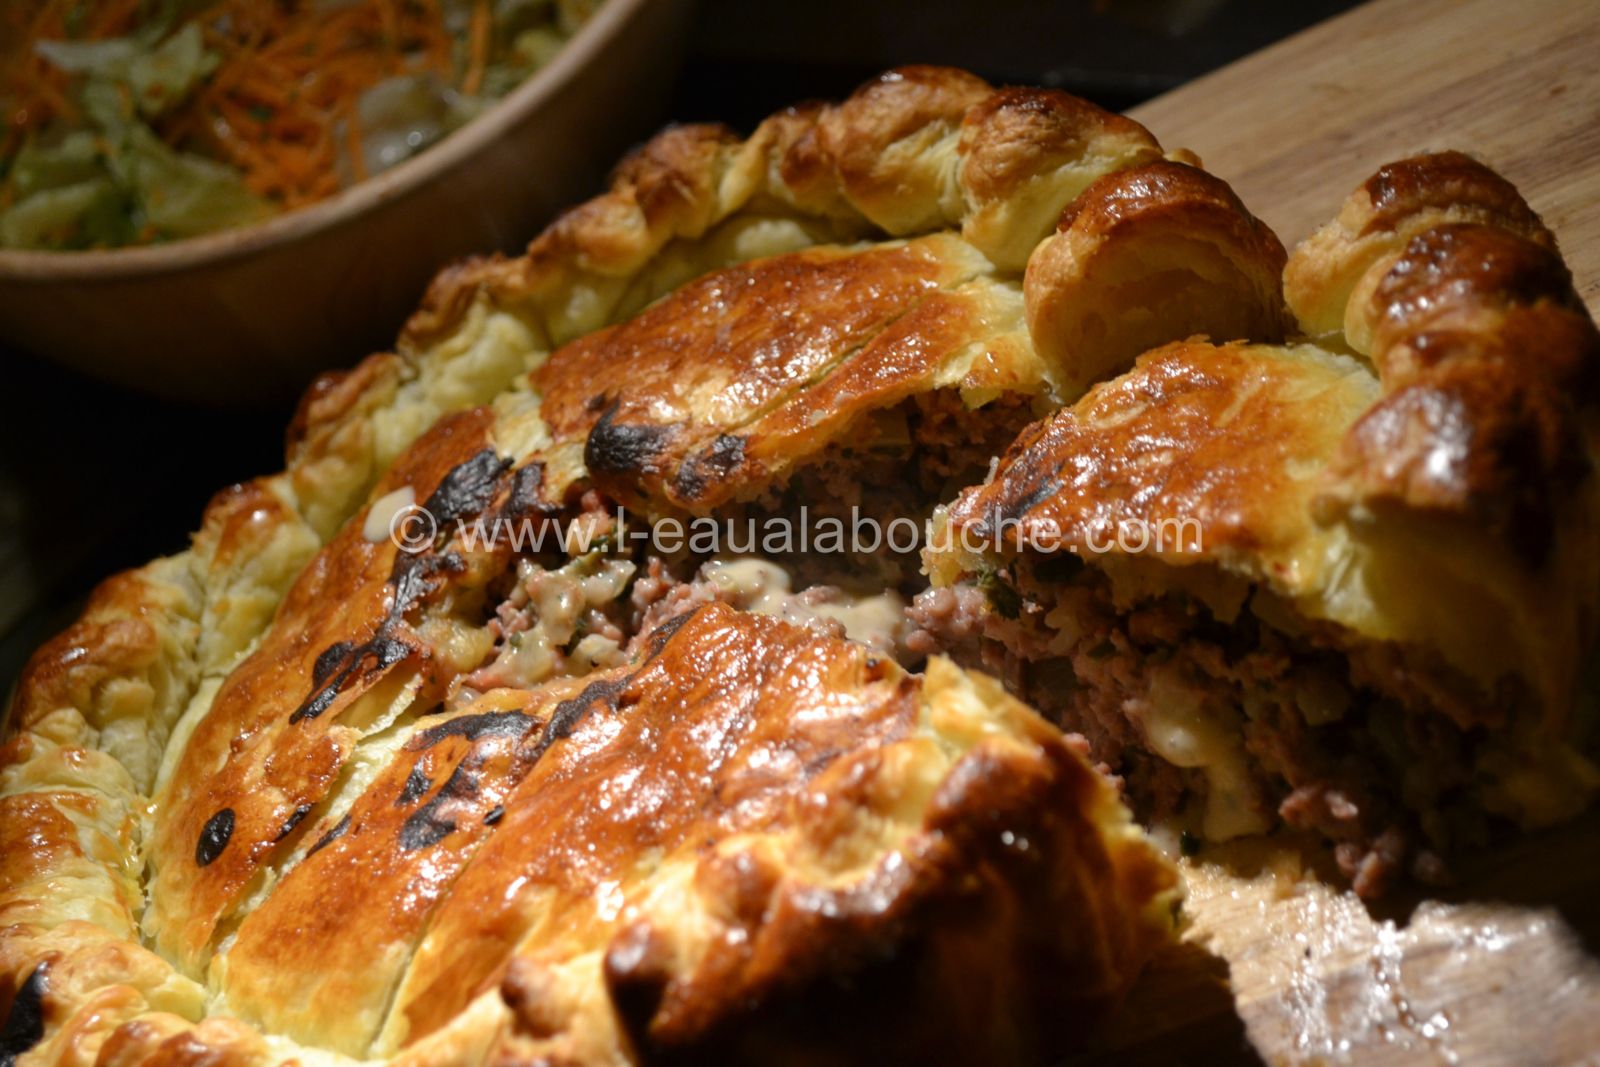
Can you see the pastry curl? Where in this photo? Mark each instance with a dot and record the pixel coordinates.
(915, 150)
(1487, 357)
(1148, 255)
(1399, 201)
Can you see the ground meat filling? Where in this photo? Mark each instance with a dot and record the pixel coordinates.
(596, 610)
(1228, 727)
(888, 475)
(565, 614)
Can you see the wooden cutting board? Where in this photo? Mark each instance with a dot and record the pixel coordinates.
(1296, 127)
(1278, 965)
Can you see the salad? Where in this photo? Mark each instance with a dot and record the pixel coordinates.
(140, 121)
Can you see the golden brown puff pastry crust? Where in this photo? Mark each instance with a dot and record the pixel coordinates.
(1214, 444)
(713, 392)
(919, 149)
(718, 390)
(1399, 201)
(1485, 434)
(165, 797)
(722, 847)
(749, 814)
(1488, 361)
(270, 745)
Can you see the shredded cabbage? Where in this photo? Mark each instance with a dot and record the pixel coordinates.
(116, 181)
(182, 194)
(108, 58)
(63, 217)
(169, 72)
(40, 165)
(401, 116)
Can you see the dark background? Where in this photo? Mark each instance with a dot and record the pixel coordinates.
(94, 479)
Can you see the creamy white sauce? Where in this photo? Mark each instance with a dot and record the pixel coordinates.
(384, 511)
(555, 602)
(765, 588)
(756, 585)
(1181, 728)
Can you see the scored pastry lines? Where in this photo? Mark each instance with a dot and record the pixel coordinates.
(507, 384)
(342, 693)
(658, 243)
(364, 676)
(264, 899)
(441, 767)
(350, 702)
(356, 709)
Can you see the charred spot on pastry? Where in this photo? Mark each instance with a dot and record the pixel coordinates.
(416, 786)
(662, 634)
(24, 1025)
(330, 837)
(1012, 508)
(425, 829)
(472, 728)
(606, 692)
(377, 655)
(319, 701)
(572, 711)
(623, 448)
(703, 468)
(331, 659)
(381, 653)
(468, 488)
(494, 815)
(416, 576)
(294, 819)
(526, 497)
(214, 837)
(429, 824)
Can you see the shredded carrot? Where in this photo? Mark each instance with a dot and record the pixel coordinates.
(478, 41)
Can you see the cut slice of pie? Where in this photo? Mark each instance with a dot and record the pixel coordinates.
(1348, 583)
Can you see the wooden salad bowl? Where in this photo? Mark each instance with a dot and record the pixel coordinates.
(248, 315)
